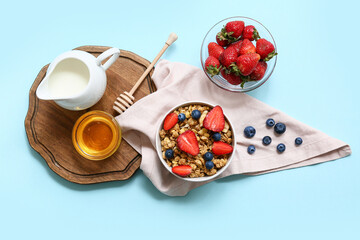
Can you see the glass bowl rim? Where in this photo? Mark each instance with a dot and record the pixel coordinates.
(78, 148)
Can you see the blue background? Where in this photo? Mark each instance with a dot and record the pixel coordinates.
(315, 80)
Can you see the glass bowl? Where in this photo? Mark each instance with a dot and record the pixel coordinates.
(218, 79)
(96, 135)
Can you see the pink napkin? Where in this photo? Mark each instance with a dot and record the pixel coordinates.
(179, 82)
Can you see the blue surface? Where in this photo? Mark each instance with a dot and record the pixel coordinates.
(316, 81)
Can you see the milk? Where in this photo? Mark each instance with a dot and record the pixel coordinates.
(69, 78)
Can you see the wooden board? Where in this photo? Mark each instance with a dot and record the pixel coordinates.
(48, 126)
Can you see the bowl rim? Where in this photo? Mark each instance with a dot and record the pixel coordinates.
(106, 152)
(255, 86)
(158, 143)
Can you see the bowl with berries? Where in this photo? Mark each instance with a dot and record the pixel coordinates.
(238, 54)
(195, 141)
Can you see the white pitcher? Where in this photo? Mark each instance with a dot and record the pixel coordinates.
(76, 80)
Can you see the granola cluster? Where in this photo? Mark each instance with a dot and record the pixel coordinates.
(204, 138)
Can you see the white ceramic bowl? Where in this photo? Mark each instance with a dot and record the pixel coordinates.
(159, 152)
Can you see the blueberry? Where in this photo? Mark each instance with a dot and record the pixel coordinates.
(196, 114)
(249, 131)
(169, 154)
(280, 128)
(266, 140)
(298, 141)
(209, 164)
(251, 149)
(281, 147)
(208, 156)
(181, 117)
(270, 122)
(217, 136)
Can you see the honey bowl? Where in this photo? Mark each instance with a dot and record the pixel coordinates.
(96, 135)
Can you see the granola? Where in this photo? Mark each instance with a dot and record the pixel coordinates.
(205, 141)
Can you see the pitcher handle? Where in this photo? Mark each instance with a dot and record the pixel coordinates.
(115, 52)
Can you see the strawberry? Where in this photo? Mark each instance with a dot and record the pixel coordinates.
(236, 46)
(265, 48)
(212, 65)
(188, 143)
(170, 120)
(221, 40)
(220, 148)
(215, 120)
(231, 77)
(250, 33)
(228, 56)
(247, 47)
(235, 28)
(259, 71)
(182, 170)
(215, 49)
(246, 63)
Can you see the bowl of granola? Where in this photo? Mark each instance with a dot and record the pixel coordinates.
(195, 141)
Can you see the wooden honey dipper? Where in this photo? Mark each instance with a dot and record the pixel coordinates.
(125, 100)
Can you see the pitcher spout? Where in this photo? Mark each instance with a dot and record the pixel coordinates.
(43, 91)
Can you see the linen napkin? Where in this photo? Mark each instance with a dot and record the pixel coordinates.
(179, 82)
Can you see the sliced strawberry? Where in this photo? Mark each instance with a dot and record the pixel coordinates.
(170, 120)
(215, 120)
(183, 170)
(220, 148)
(188, 143)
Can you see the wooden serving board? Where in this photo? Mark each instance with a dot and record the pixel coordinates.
(48, 126)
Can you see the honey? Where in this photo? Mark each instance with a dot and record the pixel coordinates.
(96, 135)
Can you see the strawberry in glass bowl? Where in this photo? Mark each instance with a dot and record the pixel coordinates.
(238, 54)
